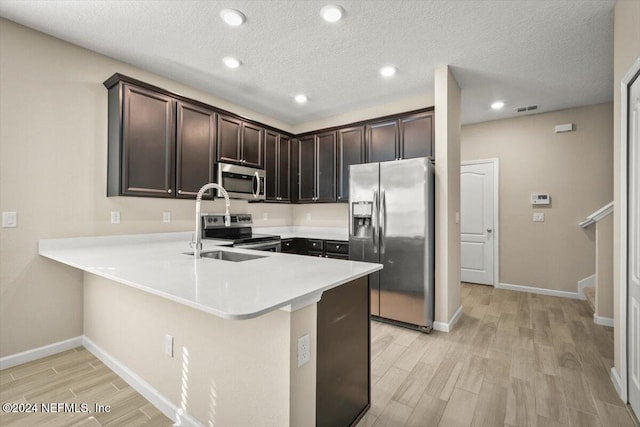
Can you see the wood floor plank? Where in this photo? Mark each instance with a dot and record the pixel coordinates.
(584, 419)
(460, 409)
(550, 400)
(491, 406)
(472, 374)
(55, 378)
(567, 356)
(412, 388)
(613, 415)
(412, 355)
(576, 391)
(546, 360)
(427, 412)
(394, 414)
(521, 408)
(386, 359)
(385, 388)
(522, 364)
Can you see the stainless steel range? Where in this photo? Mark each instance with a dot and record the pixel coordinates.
(240, 232)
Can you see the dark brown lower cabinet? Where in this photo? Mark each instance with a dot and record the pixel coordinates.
(343, 389)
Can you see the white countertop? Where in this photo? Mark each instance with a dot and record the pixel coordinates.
(324, 233)
(155, 263)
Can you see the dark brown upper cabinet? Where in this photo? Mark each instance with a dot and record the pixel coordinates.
(350, 148)
(382, 141)
(317, 168)
(417, 135)
(141, 142)
(239, 142)
(195, 149)
(400, 138)
(277, 164)
(307, 169)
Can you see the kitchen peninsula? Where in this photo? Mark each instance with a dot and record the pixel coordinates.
(217, 342)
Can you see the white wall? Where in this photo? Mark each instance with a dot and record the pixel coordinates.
(53, 170)
(575, 168)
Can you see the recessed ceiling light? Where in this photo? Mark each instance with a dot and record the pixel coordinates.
(232, 17)
(231, 62)
(332, 13)
(497, 105)
(300, 98)
(388, 71)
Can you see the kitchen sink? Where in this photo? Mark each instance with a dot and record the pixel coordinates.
(227, 256)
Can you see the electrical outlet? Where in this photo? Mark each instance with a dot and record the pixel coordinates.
(166, 217)
(168, 345)
(303, 350)
(115, 217)
(9, 220)
(538, 217)
(265, 216)
(308, 216)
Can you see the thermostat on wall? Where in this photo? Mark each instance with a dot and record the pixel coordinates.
(540, 198)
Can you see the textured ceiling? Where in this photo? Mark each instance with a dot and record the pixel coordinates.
(556, 53)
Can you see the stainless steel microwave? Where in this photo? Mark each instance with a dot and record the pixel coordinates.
(242, 182)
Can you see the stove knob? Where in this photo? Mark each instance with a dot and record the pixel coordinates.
(209, 219)
(215, 219)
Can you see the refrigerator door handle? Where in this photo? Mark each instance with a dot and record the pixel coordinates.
(374, 220)
(383, 220)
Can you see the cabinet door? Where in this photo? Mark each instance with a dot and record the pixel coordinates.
(382, 141)
(306, 169)
(148, 139)
(284, 168)
(229, 139)
(326, 167)
(195, 149)
(271, 164)
(417, 135)
(252, 140)
(350, 152)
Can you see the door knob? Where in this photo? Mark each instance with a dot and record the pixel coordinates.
(489, 230)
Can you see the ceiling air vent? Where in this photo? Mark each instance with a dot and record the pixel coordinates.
(527, 108)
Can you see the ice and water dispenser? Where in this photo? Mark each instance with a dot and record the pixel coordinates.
(362, 219)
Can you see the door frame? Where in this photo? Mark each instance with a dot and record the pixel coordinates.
(496, 212)
(624, 240)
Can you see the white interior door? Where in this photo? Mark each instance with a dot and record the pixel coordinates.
(634, 247)
(478, 222)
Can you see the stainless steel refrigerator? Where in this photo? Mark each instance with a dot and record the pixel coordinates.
(391, 222)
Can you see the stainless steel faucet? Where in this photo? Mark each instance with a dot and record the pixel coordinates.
(227, 219)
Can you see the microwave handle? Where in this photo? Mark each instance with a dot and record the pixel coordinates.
(256, 184)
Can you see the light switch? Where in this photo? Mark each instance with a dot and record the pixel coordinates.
(538, 217)
(166, 217)
(9, 220)
(115, 217)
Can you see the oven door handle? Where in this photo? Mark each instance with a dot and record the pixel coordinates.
(260, 245)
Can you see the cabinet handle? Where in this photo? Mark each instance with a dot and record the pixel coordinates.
(179, 191)
(169, 191)
(339, 197)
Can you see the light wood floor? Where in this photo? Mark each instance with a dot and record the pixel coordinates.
(74, 376)
(513, 359)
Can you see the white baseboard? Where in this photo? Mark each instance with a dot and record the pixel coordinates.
(142, 387)
(615, 379)
(39, 353)
(604, 321)
(540, 291)
(587, 282)
(446, 327)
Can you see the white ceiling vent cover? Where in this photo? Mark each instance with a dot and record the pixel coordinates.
(526, 108)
